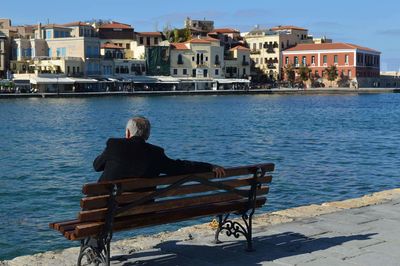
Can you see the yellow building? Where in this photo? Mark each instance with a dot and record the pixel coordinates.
(197, 58)
(266, 47)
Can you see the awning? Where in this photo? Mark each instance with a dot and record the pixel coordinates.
(231, 81)
(42, 80)
(168, 80)
(81, 80)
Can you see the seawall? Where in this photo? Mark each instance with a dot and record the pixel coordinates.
(310, 91)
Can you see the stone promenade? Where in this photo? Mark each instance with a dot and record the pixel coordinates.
(363, 231)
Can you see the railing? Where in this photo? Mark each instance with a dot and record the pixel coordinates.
(255, 51)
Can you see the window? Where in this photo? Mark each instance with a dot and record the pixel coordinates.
(216, 72)
(349, 73)
(128, 46)
(304, 61)
(49, 52)
(346, 59)
(287, 60)
(316, 73)
(148, 41)
(325, 59)
(335, 59)
(48, 34)
(156, 40)
(283, 45)
(175, 71)
(313, 60)
(193, 58)
(254, 46)
(184, 71)
(257, 60)
(244, 71)
(217, 60)
(193, 72)
(296, 61)
(68, 69)
(180, 59)
(140, 40)
(260, 46)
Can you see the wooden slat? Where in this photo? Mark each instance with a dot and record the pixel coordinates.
(167, 205)
(125, 223)
(97, 202)
(93, 189)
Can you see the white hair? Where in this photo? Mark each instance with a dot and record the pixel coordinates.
(138, 126)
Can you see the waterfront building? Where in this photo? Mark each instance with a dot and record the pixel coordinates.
(266, 46)
(3, 55)
(227, 36)
(358, 65)
(197, 58)
(199, 27)
(119, 34)
(237, 63)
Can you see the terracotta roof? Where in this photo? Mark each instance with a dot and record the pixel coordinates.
(50, 26)
(224, 30)
(150, 33)
(239, 47)
(196, 40)
(115, 25)
(76, 23)
(109, 45)
(179, 46)
(288, 27)
(328, 46)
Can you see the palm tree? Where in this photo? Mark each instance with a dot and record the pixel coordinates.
(290, 74)
(331, 73)
(304, 73)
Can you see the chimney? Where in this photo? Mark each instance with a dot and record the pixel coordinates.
(40, 31)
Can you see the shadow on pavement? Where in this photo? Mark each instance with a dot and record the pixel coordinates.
(268, 248)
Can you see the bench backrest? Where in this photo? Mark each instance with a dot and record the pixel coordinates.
(149, 201)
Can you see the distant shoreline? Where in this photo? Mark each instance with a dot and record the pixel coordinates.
(284, 91)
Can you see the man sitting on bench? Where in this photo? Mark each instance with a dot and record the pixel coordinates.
(134, 157)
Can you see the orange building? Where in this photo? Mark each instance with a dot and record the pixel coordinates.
(353, 61)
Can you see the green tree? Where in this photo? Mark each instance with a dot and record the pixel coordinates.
(304, 73)
(290, 74)
(331, 73)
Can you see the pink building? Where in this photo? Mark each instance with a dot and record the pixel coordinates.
(353, 61)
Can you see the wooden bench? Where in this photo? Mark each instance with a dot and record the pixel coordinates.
(112, 206)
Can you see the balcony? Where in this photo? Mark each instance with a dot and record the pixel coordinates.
(271, 66)
(270, 50)
(255, 51)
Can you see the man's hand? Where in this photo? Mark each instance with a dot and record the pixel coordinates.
(219, 171)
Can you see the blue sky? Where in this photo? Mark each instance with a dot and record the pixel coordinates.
(374, 24)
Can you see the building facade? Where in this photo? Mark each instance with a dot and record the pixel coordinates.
(266, 47)
(358, 64)
(197, 58)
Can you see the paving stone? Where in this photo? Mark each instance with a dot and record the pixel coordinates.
(373, 258)
(325, 261)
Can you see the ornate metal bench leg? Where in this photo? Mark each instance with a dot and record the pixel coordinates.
(94, 252)
(249, 236)
(216, 240)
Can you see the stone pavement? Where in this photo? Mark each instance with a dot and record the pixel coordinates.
(363, 231)
(362, 236)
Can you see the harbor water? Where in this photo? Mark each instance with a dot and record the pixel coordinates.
(325, 147)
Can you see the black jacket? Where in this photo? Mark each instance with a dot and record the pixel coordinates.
(127, 158)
